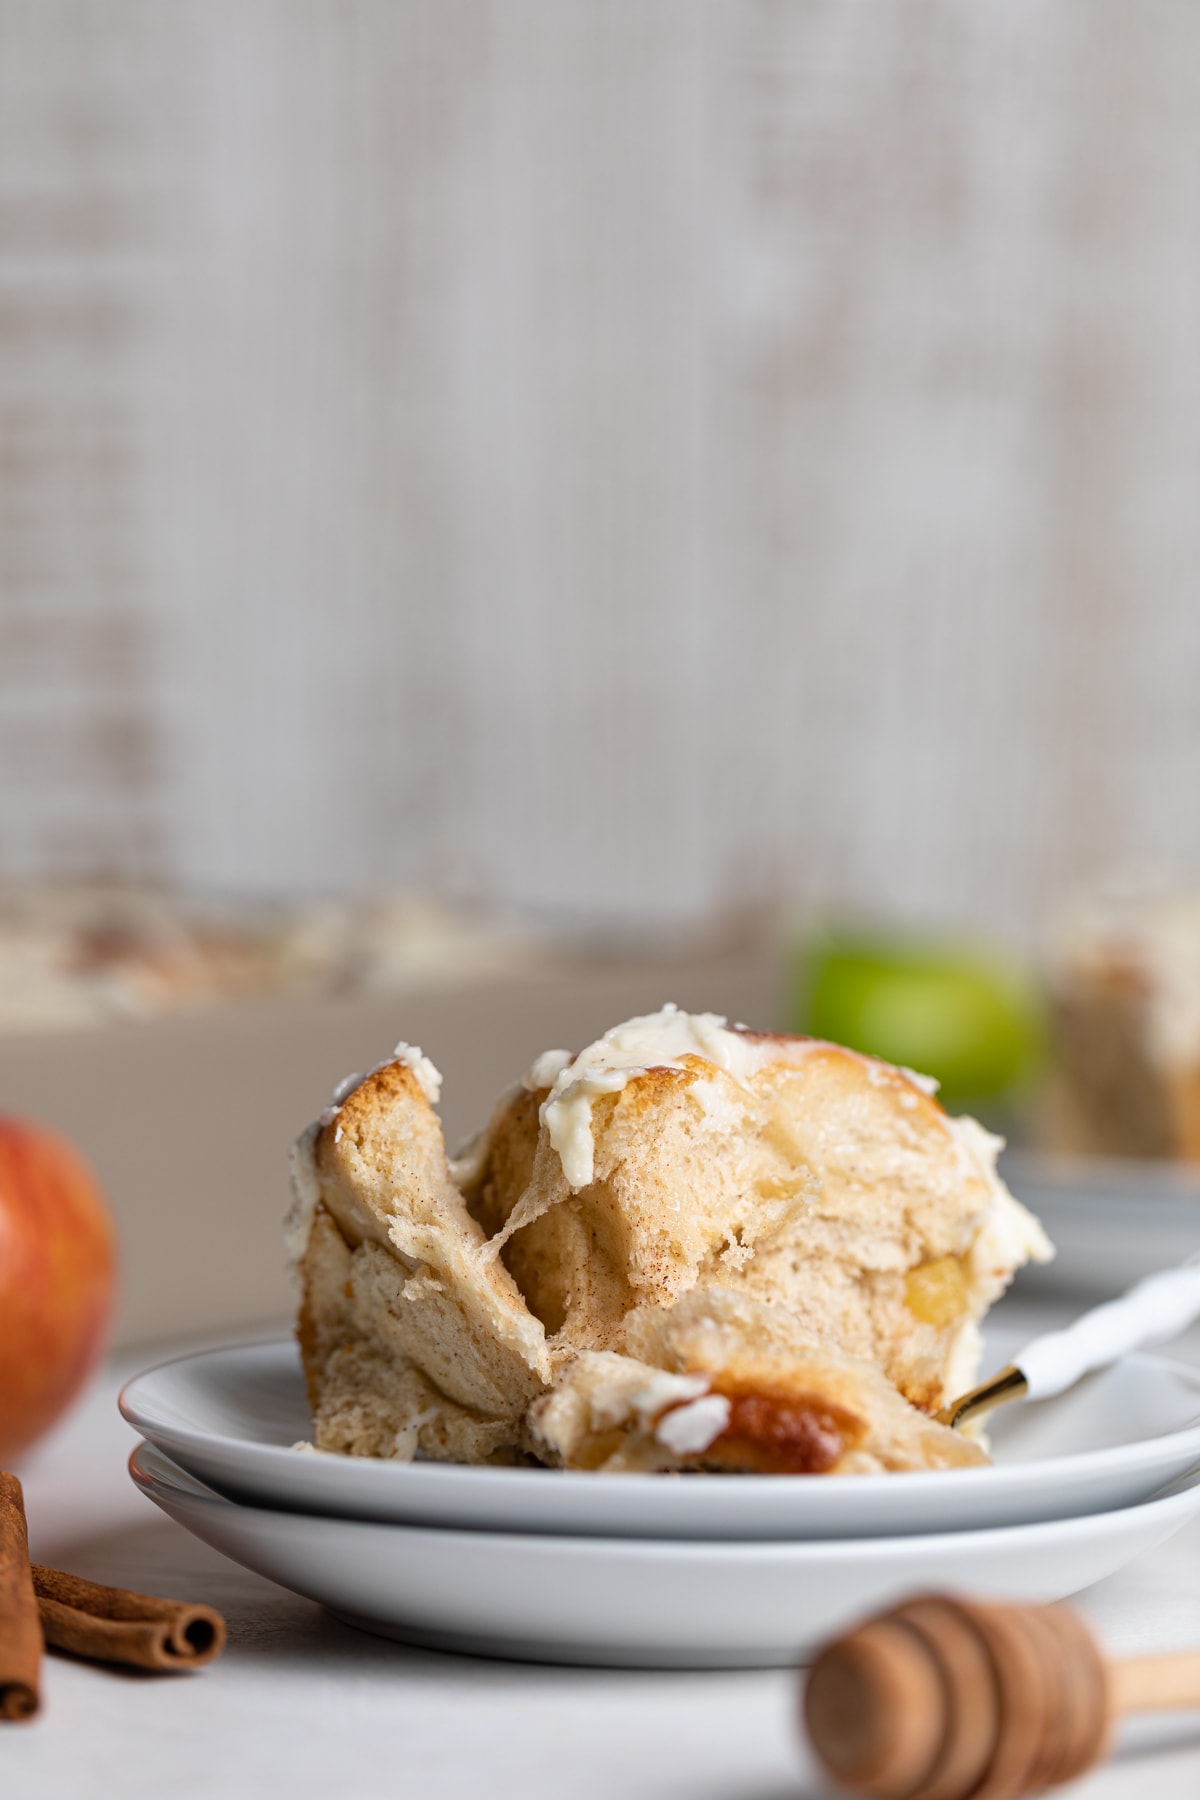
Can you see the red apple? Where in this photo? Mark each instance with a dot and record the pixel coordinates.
(57, 1280)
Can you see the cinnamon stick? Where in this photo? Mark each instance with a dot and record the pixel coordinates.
(114, 1625)
(20, 1633)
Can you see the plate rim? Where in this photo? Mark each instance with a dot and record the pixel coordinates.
(1184, 1495)
(1112, 1459)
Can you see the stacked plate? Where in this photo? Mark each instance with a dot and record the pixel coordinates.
(704, 1571)
(1113, 1220)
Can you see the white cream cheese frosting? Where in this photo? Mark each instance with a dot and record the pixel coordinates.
(665, 1039)
(306, 1188)
(660, 1040)
(688, 1430)
(429, 1077)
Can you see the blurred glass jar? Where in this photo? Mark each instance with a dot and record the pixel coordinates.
(962, 1013)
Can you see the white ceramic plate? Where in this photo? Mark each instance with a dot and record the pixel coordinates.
(230, 1417)
(1112, 1220)
(640, 1604)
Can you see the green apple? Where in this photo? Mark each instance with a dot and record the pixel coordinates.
(961, 1014)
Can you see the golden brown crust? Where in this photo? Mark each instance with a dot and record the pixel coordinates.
(776, 1430)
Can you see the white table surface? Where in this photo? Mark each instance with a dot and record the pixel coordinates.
(302, 1705)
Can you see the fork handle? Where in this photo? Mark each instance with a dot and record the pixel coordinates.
(1158, 1308)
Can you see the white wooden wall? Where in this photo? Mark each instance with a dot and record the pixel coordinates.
(615, 457)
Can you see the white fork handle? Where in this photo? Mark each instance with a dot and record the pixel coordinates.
(1157, 1308)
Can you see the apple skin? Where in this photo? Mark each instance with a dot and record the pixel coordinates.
(960, 1013)
(57, 1281)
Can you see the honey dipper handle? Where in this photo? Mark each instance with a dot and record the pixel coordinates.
(1155, 1683)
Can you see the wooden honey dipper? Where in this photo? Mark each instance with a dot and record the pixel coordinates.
(945, 1699)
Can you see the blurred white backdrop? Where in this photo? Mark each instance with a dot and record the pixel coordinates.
(621, 458)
